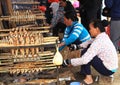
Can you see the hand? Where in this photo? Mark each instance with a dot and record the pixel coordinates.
(61, 44)
(66, 63)
(73, 47)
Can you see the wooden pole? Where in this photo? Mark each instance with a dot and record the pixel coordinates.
(1, 25)
(9, 6)
(10, 12)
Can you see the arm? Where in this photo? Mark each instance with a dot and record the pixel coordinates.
(74, 35)
(70, 38)
(92, 51)
(62, 44)
(85, 44)
(73, 47)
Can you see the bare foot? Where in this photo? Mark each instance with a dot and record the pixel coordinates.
(88, 79)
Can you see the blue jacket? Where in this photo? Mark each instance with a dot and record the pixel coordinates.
(74, 32)
(115, 8)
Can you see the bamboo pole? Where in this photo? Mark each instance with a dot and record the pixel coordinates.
(10, 11)
(1, 25)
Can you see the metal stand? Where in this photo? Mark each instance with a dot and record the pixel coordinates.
(58, 83)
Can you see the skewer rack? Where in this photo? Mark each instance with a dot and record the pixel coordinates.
(38, 61)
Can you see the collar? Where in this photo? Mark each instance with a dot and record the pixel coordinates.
(73, 23)
(101, 34)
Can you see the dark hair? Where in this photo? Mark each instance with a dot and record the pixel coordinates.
(105, 23)
(71, 15)
(100, 24)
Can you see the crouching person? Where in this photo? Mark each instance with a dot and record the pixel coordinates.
(101, 54)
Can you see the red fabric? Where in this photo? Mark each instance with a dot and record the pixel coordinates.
(107, 29)
(42, 8)
(50, 1)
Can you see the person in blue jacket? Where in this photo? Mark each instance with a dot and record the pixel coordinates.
(75, 32)
(114, 5)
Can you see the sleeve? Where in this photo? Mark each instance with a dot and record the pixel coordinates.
(109, 3)
(85, 44)
(72, 37)
(77, 30)
(63, 40)
(61, 48)
(92, 51)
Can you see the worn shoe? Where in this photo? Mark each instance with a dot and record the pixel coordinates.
(112, 78)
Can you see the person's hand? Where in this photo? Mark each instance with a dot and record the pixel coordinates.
(66, 63)
(61, 44)
(73, 47)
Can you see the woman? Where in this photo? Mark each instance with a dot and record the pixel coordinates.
(101, 54)
(74, 32)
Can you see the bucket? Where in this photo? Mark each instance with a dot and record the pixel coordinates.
(75, 83)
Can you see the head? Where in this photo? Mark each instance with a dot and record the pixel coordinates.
(63, 3)
(96, 27)
(69, 18)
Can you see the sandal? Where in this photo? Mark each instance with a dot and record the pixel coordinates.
(84, 83)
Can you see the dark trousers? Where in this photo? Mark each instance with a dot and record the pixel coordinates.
(97, 65)
(59, 28)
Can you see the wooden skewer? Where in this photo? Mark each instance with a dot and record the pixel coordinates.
(28, 70)
(22, 71)
(12, 51)
(27, 52)
(22, 51)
